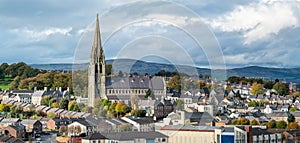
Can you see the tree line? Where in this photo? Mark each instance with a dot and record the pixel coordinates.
(20, 69)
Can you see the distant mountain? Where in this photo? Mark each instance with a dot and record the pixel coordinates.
(283, 74)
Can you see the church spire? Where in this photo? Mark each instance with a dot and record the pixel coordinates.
(96, 71)
(97, 51)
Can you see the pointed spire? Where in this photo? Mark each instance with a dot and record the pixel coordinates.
(97, 50)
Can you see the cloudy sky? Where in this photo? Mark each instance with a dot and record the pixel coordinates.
(195, 32)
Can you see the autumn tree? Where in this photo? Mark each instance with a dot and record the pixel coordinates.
(293, 125)
(241, 121)
(254, 122)
(256, 89)
(4, 108)
(271, 124)
(55, 105)
(175, 82)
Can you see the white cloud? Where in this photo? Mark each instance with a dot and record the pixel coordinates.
(38, 35)
(258, 20)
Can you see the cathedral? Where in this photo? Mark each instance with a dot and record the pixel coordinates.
(117, 88)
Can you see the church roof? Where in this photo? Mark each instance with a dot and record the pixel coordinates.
(155, 83)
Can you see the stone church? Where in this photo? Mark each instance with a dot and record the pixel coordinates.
(117, 88)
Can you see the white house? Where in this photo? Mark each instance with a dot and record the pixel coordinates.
(268, 110)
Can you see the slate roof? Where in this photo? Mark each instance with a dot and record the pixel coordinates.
(278, 114)
(155, 83)
(127, 136)
(28, 122)
(38, 93)
(94, 136)
(296, 114)
(189, 128)
(9, 120)
(123, 97)
(259, 131)
(116, 121)
(202, 118)
(83, 122)
(53, 110)
(22, 91)
(141, 120)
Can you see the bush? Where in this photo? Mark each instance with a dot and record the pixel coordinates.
(281, 124)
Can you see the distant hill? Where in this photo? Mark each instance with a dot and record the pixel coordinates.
(283, 74)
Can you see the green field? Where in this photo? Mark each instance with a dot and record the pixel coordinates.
(5, 82)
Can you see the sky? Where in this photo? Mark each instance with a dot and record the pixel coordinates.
(192, 32)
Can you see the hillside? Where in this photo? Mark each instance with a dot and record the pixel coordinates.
(284, 74)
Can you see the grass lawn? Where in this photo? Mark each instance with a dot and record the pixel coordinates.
(5, 82)
(4, 87)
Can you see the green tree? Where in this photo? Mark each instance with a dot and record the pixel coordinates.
(252, 104)
(281, 88)
(271, 124)
(256, 89)
(268, 84)
(4, 108)
(63, 103)
(51, 115)
(179, 105)
(15, 83)
(281, 124)
(15, 111)
(51, 101)
(73, 106)
(293, 109)
(254, 122)
(47, 100)
(148, 93)
(138, 113)
(291, 118)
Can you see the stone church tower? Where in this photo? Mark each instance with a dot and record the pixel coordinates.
(96, 71)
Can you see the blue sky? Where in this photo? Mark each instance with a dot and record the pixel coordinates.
(259, 32)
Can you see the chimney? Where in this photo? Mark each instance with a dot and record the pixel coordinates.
(45, 89)
(56, 88)
(249, 135)
(60, 89)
